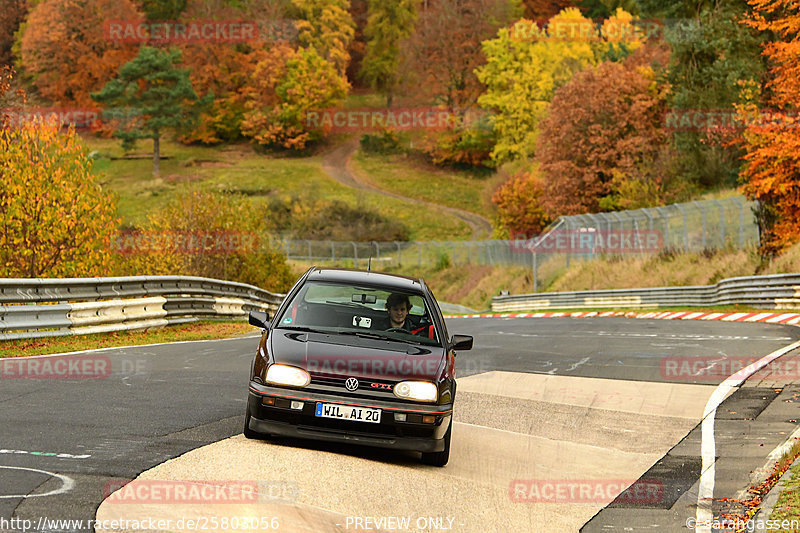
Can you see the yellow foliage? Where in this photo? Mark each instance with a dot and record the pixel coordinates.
(55, 219)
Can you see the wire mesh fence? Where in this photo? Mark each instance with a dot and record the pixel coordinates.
(688, 227)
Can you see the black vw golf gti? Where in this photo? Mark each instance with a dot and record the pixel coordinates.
(359, 357)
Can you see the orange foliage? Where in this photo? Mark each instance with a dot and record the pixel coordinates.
(772, 171)
(226, 71)
(518, 205)
(66, 50)
(604, 125)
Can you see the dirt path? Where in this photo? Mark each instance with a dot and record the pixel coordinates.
(338, 165)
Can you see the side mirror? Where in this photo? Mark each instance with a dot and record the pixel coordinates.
(259, 319)
(462, 342)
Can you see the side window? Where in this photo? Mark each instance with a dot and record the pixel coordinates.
(435, 309)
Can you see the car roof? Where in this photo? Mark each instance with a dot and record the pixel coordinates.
(345, 275)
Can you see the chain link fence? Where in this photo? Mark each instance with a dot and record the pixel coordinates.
(689, 227)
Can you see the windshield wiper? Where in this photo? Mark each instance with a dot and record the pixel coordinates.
(371, 335)
(304, 329)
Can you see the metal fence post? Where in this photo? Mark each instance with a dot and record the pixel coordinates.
(685, 227)
(721, 224)
(703, 216)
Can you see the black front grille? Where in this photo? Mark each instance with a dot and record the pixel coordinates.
(336, 385)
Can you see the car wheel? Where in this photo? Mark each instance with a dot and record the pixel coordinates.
(249, 433)
(439, 458)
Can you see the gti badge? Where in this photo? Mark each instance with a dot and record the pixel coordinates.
(351, 384)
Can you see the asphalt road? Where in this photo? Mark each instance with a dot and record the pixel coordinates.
(75, 438)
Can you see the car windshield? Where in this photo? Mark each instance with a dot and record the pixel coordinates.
(369, 312)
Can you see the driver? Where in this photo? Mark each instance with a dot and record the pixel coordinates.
(398, 306)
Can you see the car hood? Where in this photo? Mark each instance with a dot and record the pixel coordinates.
(345, 356)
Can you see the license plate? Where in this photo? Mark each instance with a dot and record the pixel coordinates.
(347, 412)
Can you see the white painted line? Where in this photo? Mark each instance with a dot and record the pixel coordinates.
(735, 316)
(67, 484)
(759, 317)
(782, 317)
(708, 445)
(46, 454)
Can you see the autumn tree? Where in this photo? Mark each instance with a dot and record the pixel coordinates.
(603, 133)
(158, 94)
(711, 55)
(66, 52)
(163, 9)
(521, 75)
(389, 22)
(445, 49)
(358, 46)
(287, 84)
(771, 174)
(544, 9)
(226, 69)
(327, 27)
(519, 207)
(201, 233)
(12, 13)
(55, 219)
(11, 96)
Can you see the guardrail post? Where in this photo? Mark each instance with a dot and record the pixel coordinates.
(355, 254)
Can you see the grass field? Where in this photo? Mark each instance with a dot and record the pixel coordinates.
(238, 168)
(409, 177)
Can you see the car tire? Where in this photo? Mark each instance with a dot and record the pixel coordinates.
(249, 433)
(439, 458)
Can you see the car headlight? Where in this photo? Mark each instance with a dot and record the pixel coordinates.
(421, 391)
(278, 374)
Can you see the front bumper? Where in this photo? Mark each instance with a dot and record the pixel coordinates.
(280, 419)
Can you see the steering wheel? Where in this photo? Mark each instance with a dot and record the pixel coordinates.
(399, 329)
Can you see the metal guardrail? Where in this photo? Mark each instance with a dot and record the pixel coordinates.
(780, 291)
(44, 307)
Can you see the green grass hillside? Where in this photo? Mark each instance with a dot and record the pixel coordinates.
(263, 178)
